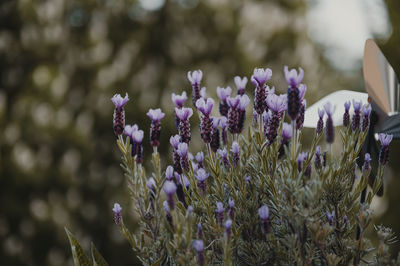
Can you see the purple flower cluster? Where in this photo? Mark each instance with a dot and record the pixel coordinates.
(198, 245)
(320, 123)
(183, 115)
(195, 80)
(300, 118)
(119, 113)
(384, 151)
(277, 106)
(365, 121)
(179, 101)
(136, 138)
(329, 127)
(240, 84)
(355, 122)
(259, 78)
(117, 213)
(346, 115)
(263, 212)
(293, 98)
(155, 129)
(205, 107)
(201, 176)
(235, 153)
(223, 95)
(318, 161)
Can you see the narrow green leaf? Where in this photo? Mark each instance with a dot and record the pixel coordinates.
(80, 258)
(98, 260)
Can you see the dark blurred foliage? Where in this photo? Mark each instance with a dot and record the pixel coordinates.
(61, 62)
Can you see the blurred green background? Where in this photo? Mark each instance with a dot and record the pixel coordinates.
(62, 61)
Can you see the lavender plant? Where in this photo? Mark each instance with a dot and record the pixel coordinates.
(253, 196)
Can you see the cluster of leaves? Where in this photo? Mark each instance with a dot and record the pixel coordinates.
(313, 218)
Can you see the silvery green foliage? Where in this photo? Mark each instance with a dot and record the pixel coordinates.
(313, 213)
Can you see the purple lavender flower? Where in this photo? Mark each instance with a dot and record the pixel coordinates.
(220, 212)
(155, 116)
(320, 123)
(200, 159)
(137, 148)
(367, 162)
(346, 115)
(199, 231)
(182, 152)
(233, 114)
(244, 101)
(184, 127)
(255, 118)
(330, 129)
(384, 151)
(135, 137)
(181, 181)
(366, 112)
(260, 76)
(128, 130)
(185, 181)
(240, 84)
(119, 113)
(228, 228)
(175, 140)
(300, 159)
(330, 217)
(300, 117)
(286, 133)
(205, 106)
(223, 123)
(263, 212)
(302, 91)
(189, 210)
(266, 118)
(247, 179)
(117, 213)
(292, 78)
(203, 93)
(169, 173)
(224, 156)
(235, 152)
(231, 204)
(277, 105)
(293, 99)
(195, 79)
(179, 100)
(169, 190)
(318, 162)
(198, 245)
(201, 176)
(215, 134)
(168, 213)
(223, 94)
(151, 184)
(355, 122)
